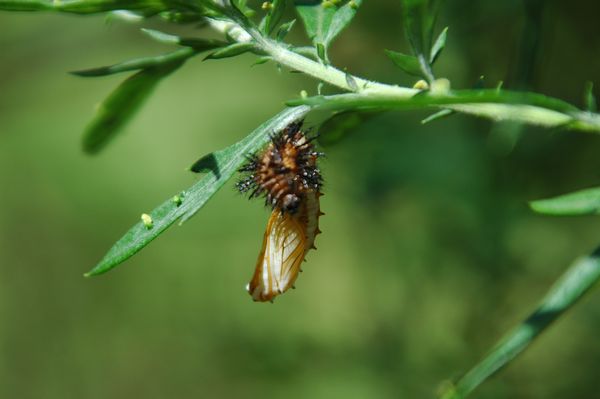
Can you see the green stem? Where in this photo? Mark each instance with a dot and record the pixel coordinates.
(281, 54)
(528, 108)
(565, 293)
(330, 74)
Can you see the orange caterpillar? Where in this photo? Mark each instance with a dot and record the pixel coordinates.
(286, 174)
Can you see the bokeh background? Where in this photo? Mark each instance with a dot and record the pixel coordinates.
(429, 252)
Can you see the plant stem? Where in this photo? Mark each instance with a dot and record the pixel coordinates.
(329, 74)
(297, 62)
(528, 108)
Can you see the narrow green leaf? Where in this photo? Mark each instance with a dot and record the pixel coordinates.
(583, 202)
(146, 7)
(230, 51)
(26, 5)
(284, 29)
(262, 60)
(223, 165)
(125, 16)
(564, 294)
(438, 46)
(194, 46)
(324, 20)
(140, 63)
(198, 44)
(184, 17)
(588, 97)
(321, 53)
(121, 105)
(407, 63)
(419, 19)
(342, 18)
(242, 5)
(96, 6)
(438, 115)
(235, 10)
(273, 16)
(161, 37)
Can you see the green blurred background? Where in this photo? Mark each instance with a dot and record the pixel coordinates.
(429, 252)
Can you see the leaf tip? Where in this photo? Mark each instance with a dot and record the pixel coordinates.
(92, 273)
(534, 205)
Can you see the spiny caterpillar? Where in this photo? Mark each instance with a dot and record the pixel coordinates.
(286, 174)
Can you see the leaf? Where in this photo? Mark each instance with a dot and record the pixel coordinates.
(184, 17)
(139, 63)
(244, 8)
(193, 46)
(438, 46)
(147, 7)
(419, 18)
(438, 115)
(323, 21)
(25, 5)
(273, 16)
(407, 63)
(322, 53)
(588, 97)
(235, 10)
(125, 16)
(121, 105)
(224, 164)
(262, 60)
(198, 44)
(231, 51)
(583, 202)
(581, 276)
(96, 6)
(284, 29)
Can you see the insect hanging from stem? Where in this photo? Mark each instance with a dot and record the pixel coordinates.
(286, 174)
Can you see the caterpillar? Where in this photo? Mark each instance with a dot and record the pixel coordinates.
(286, 174)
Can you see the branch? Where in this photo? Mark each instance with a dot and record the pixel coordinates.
(529, 108)
(282, 54)
(495, 104)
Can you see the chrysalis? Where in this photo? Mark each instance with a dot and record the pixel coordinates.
(286, 174)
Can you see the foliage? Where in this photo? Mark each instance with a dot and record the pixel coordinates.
(323, 22)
